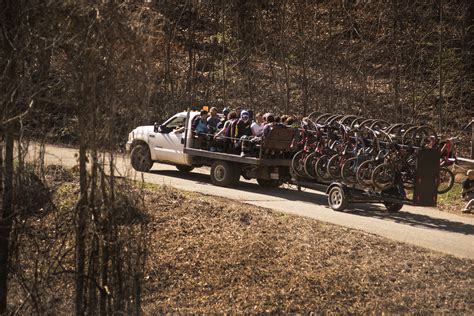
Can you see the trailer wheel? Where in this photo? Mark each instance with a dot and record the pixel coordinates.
(140, 158)
(184, 168)
(393, 207)
(337, 199)
(224, 174)
(264, 183)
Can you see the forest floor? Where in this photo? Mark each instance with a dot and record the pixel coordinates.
(209, 254)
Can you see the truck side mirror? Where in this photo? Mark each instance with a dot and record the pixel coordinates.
(156, 127)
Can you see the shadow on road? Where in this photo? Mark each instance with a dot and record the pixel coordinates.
(418, 220)
(366, 210)
(284, 193)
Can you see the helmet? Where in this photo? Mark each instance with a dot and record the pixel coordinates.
(244, 115)
(226, 110)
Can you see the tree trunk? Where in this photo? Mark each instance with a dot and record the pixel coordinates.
(6, 219)
(441, 83)
(81, 220)
(396, 77)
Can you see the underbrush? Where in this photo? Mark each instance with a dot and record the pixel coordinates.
(43, 262)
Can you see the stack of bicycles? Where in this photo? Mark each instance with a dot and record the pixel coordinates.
(366, 153)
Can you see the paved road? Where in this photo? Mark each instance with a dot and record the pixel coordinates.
(425, 227)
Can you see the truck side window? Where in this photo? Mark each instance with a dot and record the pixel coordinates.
(175, 123)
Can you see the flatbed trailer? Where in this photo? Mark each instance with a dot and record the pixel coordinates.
(342, 196)
(255, 161)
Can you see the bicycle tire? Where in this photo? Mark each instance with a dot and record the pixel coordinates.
(310, 165)
(296, 163)
(320, 119)
(449, 176)
(347, 119)
(379, 125)
(407, 137)
(334, 166)
(348, 170)
(423, 134)
(366, 122)
(321, 169)
(357, 121)
(364, 173)
(383, 177)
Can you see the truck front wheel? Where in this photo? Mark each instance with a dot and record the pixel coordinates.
(224, 174)
(140, 158)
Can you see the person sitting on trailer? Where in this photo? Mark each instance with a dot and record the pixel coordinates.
(225, 113)
(242, 131)
(257, 126)
(222, 139)
(270, 119)
(200, 128)
(213, 120)
(468, 191)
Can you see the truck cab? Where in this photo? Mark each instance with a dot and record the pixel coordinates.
(161, 143)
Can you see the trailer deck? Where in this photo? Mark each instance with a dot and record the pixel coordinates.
(256, 161)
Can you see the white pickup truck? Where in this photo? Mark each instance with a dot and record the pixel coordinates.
(173, 142)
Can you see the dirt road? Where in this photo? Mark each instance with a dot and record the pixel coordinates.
(425, 227)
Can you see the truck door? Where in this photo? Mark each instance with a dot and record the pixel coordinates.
(166, 143)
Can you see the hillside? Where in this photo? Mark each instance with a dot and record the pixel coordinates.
(136, 63)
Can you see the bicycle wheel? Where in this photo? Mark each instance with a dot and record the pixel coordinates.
(335, 118)
(357, 121)
(395, 128)
(379, 125)
(409, 171)
(334, 166)
(422, 136)
(408, 181)
(408, 135)
(310, 165)
(297, 163)
(383, 177)
(322, 118)
(446, 180)
(321, 168)
(366, 122)
(330, 118)
(347, 120)
(364, 173)
(313, 115)
(348, 170)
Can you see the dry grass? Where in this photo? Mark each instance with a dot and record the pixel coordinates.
(213, 255)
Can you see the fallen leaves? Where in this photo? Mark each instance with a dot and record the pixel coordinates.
(211, 255)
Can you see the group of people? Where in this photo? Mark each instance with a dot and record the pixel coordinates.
(236, 131)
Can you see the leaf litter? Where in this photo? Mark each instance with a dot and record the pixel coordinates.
(214, 255)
